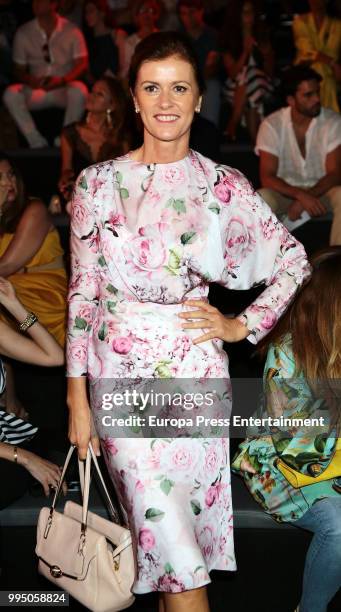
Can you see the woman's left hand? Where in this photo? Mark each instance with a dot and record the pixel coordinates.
(219, 326)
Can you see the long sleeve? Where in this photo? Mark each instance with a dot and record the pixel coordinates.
(85, 275)
(257, 249)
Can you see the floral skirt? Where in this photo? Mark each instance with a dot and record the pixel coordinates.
(177, 497)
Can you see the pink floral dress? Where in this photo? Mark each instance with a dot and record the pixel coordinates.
(145, 237)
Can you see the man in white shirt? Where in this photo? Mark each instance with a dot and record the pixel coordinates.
(300, 153)
(49, 55)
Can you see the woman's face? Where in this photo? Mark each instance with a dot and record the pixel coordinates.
(248, 14)
(166, 94)
(148, 14)
(92, 15)
(99, 99)
(8, 182)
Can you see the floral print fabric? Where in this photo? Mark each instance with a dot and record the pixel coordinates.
(308, 452)
(144, 238)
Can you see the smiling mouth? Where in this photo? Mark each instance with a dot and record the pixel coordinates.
(166, 118)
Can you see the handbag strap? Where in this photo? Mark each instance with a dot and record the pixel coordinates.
(84, 476)
(82, 479)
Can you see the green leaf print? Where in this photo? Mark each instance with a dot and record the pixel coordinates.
(196, 507)
(111, 289)
(188, 237)
(118, 177)
(154, 514)
(303, 458)
(170, 202)
(111, 306)
(215, 208)
(80, 323)
(282, 444)
(174, 259)
(124, 193)
(320, 443)
(169, 569)
(179, 205)
(290, 460)
(103, 332)
(83, 184)
(166, 486)
(102, 261)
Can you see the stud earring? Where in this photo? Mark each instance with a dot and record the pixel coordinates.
(198, 109)
(137, 110)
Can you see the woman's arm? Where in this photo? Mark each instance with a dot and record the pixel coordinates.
(233, 67)
(40, 349)
(67, 172)
(83, 302)
(30, 234)
(47, 473)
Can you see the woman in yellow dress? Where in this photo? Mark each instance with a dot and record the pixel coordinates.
(318, 41)
(31, 257)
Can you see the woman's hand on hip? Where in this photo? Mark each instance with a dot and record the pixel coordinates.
(210, 318)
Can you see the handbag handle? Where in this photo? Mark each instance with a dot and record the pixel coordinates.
(85, 483)
(82, 478)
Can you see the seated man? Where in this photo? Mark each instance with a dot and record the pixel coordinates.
(49, 55)
(300, 153)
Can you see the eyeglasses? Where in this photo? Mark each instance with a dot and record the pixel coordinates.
(46, 53)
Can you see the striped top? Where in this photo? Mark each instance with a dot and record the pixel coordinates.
(13, 430)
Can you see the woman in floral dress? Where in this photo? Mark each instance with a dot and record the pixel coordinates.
(150, 231)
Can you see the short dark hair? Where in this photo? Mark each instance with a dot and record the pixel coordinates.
(295, 75)
(159, 46)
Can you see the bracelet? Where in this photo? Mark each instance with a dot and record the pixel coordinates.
(15, 453)
(26, 323)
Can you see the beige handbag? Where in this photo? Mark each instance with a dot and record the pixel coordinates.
(84, 554)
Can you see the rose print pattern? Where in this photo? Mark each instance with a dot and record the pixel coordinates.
(143, 239)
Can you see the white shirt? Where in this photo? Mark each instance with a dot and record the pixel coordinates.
(66, 44)
(276, 136)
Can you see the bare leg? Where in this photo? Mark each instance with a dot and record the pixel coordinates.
(237, 111)
(161, 603)
(195, 600)
(253, 122)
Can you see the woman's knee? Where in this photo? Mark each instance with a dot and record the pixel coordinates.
(329, 510)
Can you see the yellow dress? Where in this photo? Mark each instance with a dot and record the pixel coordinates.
(309, 42)
(42, 286)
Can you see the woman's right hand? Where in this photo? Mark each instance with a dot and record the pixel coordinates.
(81, 428)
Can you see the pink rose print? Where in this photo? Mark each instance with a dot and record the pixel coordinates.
(170, 584)
(78, 350)
(213, 494)
(122, 345)
(86, 312)
(109, 446)
(174, 175)
(81, 216)
(206, 540)
(269, 320)
(223, 191)
(182, 459)
(146, 539)
(146, 252)
(241, 238)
